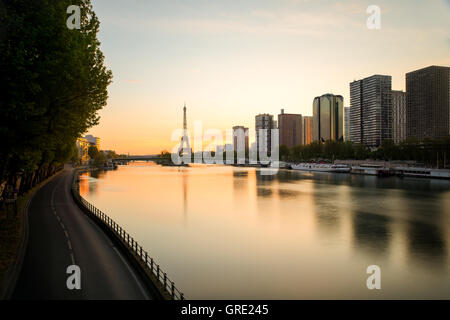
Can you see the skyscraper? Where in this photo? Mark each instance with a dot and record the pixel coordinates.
(290, 126)
(346, 123)
(398, 116)
(307, 130)
(371, 110)
(264, 124)
(428, 102)
(328, 122)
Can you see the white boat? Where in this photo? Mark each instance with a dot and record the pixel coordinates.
(371, 170)
(423, 172)
(316, 167)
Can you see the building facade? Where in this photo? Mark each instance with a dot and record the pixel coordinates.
(346, 123)
(328, 121)
(290, 129)
(428, 103)
(264, 124)
(83, 148)
(93, 141)
(307, 130)
(371, 110)
(398, 116)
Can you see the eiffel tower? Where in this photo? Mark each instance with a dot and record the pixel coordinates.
(184, 144)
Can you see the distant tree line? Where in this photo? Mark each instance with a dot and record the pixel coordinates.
(53, 82)
(431, 152)
(99, 158)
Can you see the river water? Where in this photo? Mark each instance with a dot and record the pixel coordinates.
(222, 232)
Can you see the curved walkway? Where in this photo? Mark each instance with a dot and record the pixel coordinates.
(60, 234)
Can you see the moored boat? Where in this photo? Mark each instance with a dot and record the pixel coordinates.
(321, 167)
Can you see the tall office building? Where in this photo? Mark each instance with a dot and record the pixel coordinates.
(290, 126)
(328, 113)
(307, 130)
(428, 102)
(264, 124)
(240, 135)
(398, 116)
(371, 110)
(346, 123)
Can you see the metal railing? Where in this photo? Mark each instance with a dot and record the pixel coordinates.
(140, 254)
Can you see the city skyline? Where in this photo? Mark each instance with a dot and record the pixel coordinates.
(236, 66)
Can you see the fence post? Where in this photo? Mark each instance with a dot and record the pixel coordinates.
(151, 264)
(146, 260)
(157, 271)
(165, 280)
(181, 296)
(173, 290)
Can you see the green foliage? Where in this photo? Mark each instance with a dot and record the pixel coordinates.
(110, 154)
(429, 152)
(99, 159)
(165, 154)
(284, 152)
(93, 152)
(53, 82)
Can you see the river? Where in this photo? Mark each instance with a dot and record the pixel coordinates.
(223, 232)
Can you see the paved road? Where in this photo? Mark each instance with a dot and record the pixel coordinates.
(60, 234)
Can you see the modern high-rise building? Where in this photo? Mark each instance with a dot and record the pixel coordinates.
(307, 130)
(328, 121)
(346, 123)
(428, 102)
(264, 124)
(398, 116)
(240, 136)
(371, 110)
(290, 129)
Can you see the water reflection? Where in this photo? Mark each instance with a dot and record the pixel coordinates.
(185, 196)
(426, 244)
(371, 231)
(300, 228)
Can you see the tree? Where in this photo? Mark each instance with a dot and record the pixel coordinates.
(53, 82)
(165, 154)
(284, 152)
(99, 159)
(93, 152)
(388, 150)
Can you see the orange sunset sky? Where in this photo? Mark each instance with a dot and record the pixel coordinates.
(230, 60)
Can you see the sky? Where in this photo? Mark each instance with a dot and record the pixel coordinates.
(231, 60)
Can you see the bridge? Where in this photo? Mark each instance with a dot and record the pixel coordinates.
(151, 157)
(155, 158)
